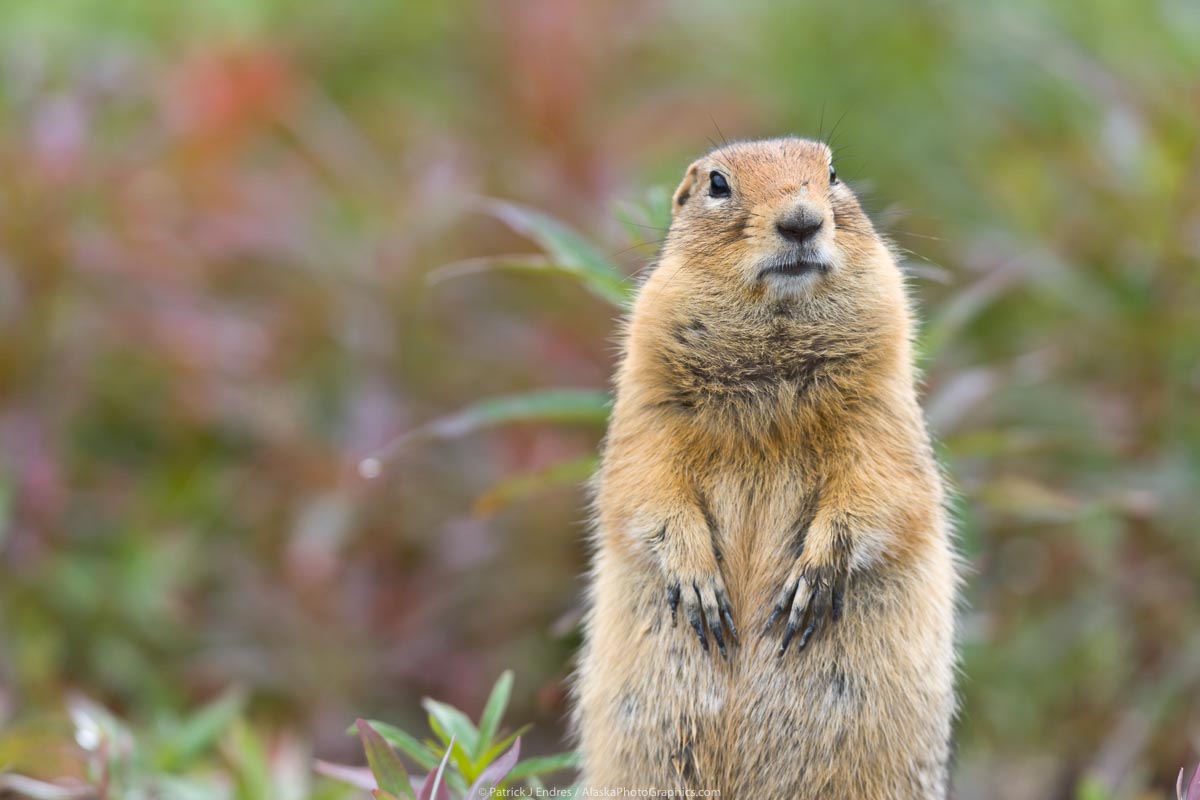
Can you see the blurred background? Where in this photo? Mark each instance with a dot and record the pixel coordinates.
(217, 226)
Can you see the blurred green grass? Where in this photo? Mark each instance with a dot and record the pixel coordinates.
(216, 223)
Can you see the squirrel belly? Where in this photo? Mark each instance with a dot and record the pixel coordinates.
(772, 597)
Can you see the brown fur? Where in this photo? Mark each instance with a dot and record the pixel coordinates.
(767, 451)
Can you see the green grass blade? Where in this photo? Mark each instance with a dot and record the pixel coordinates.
(493, 712)
(519, 262)
(562, 406)
(575, 406)
(584, 406)
(509, 490)
(574, 254)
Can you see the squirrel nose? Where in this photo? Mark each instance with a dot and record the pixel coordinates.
(799, 225)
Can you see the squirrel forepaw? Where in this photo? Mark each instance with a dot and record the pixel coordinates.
(812, 595)
(705, 604)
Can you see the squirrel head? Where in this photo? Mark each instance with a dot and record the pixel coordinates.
(770, 218)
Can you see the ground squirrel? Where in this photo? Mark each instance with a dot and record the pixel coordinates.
(772, 603)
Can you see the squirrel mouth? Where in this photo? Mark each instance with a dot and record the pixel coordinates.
(795, 267)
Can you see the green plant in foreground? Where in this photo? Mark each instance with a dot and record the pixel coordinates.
(210, 754)
(465, 759)
(213, 754)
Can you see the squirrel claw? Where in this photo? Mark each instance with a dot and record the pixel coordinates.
(812, 597)
(771, 619)
(727, 615)
(673, 602)
(693, 614)
(707, 609)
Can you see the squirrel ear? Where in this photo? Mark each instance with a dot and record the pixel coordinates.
(685, 189)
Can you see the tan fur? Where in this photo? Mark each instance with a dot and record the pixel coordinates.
(766, 448)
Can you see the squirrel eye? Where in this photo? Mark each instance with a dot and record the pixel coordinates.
(717, 185)
(832, 175)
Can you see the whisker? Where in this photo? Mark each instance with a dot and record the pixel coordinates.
(724, 141)
(647, 243)
(836, 125)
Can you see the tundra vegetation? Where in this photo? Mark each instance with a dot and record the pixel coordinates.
(246, 245)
